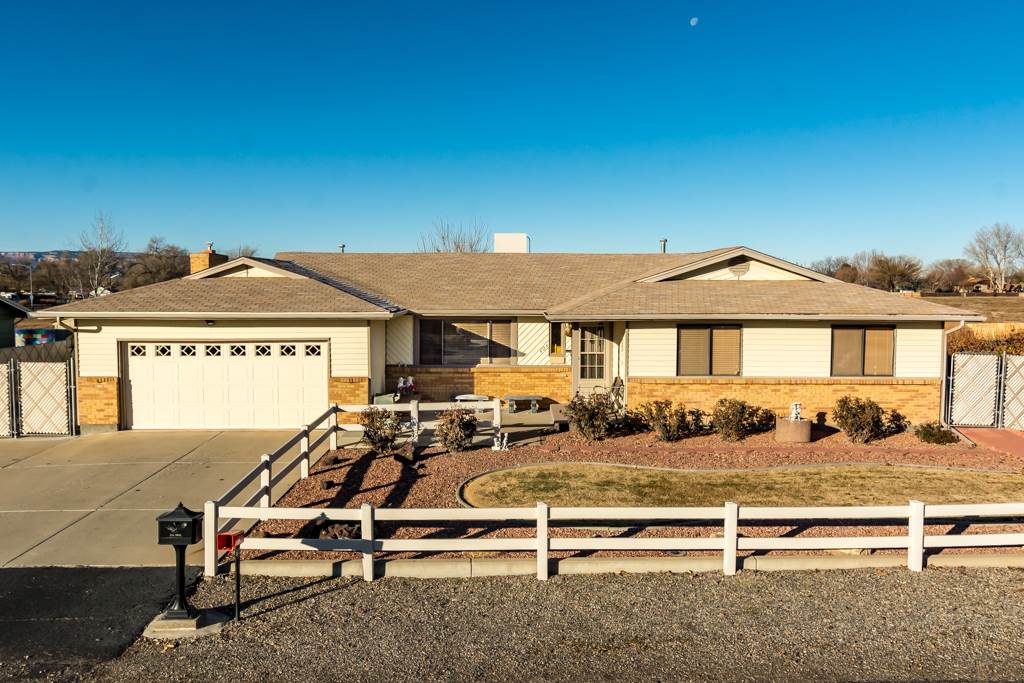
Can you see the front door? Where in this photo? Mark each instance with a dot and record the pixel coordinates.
(591, 359)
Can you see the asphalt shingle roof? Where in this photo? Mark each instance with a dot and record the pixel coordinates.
(225, 295)
(756, 298)
(429, 282)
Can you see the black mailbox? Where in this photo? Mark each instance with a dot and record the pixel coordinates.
(180, 526)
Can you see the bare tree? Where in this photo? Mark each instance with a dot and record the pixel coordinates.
(242, 250)
(160, 261)
(450, 237)
(949, 275)
(996, 251)
(99, 261)
(829, 265)
(895, 272)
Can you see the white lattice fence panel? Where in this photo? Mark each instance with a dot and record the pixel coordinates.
(43, 398)
(6, 428)
(973, 400)
(1013, 393)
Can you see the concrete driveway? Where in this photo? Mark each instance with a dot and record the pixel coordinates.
(92, 500)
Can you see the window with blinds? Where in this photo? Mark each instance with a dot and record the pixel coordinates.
(709, 350)
(465, 342)
(863, 351)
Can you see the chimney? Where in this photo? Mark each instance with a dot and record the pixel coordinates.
(511, 243)
(205, 259)
(664, 244)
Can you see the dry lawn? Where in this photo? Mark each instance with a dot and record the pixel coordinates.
(606, 485)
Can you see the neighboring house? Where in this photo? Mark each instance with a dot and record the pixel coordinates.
(253, 343)
(10, 314)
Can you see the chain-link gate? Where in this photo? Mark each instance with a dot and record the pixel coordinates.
(37, 398)
(6, 400)
(986, 390)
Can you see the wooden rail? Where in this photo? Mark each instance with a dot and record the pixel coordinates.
(912, 516)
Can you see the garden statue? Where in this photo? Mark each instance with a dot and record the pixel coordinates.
(794, 411)
(500, 442)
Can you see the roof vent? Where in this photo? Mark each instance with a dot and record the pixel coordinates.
(739, 266)
(511, 243)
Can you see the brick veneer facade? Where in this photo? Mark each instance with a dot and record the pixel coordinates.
(343, 390)
(919, 400)
(98, 405)
(552, 382)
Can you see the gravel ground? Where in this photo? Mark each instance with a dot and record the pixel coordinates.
(856, 625)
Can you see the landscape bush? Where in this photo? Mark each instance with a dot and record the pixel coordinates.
(591, 416)
(671, 422)
(864, 420)
(735, 420)
(935, 433)
(455, 429)
(381, 428)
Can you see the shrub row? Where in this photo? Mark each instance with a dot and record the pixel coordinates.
(381, 429)
(863, 420)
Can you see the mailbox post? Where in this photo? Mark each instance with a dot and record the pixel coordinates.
(180, 528)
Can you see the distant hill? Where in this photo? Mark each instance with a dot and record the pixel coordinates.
(51, 255)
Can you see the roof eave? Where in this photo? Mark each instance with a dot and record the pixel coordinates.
(569, 317)
(220, 315)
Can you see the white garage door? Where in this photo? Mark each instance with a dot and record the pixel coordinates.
(233, 385)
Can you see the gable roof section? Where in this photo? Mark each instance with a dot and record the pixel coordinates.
(752, 300)
(445, 284)
(269, 265)
(227, 297)
(725, 255)
(16, 309)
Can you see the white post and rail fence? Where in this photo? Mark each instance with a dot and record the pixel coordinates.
(220, 515)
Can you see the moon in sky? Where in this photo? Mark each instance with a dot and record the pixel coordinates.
(693, 21)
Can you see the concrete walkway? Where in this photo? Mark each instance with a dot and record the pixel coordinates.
(92, 500)
(1003, 440)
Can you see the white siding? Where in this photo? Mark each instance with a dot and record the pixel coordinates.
(349, 340)
(532, 341)
(919, 350)
(652, 349)
(399, 340)
(377, 355)
(786, 350)
(757, 271)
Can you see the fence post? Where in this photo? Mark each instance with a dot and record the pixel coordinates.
(497, 415)
(542, 541)
(265, 481)
(915, 544)
(366, 526)
(210, 511)
(414, 417)
(729, 539)
(332, 424)
(304, 452)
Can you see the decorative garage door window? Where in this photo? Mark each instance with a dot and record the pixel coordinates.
(244, 385)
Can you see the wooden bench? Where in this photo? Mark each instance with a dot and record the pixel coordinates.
(512, 400)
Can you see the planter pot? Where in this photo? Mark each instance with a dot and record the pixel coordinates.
(793, 431)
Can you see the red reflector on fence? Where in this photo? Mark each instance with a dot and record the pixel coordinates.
(229, 540)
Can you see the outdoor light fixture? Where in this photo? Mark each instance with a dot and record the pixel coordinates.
(231, 541)
(180, 528)
(211, 323)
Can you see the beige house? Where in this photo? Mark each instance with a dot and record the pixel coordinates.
(264, 343)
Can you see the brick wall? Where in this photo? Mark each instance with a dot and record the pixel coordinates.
(918, 399)
(553, 383)
(98, 407)
(348, 390)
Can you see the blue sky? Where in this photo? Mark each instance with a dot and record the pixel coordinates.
(800, 128)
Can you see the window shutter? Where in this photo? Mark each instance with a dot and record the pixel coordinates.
(430, 342)
(501, 341)
(725, 351)
(847, 351)
(878, 351)
(694, 350)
